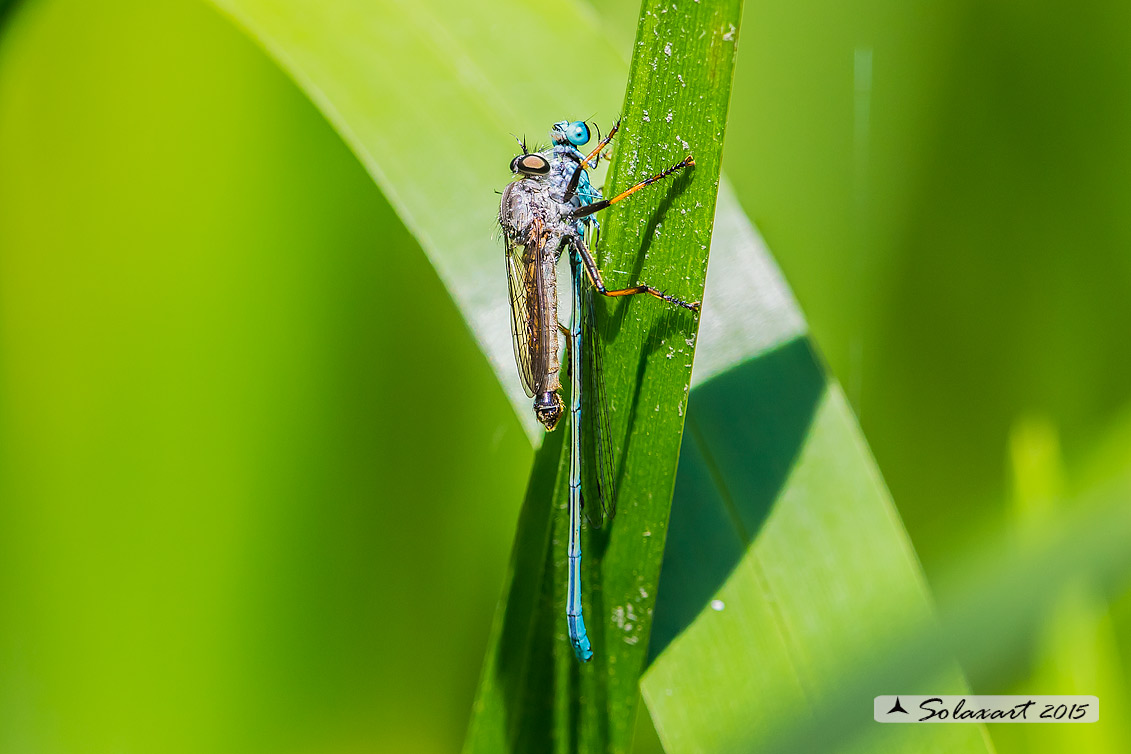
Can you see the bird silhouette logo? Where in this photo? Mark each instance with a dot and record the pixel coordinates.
(898, 708)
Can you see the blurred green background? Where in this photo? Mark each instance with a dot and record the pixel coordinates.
(251, 461)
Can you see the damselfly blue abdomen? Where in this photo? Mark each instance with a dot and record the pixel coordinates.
(546, 209)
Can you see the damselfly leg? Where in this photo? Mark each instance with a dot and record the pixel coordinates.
(589, 209)
(591, 159)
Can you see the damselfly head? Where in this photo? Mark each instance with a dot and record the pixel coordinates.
(530, 164)
(575, 133)
(548, 407)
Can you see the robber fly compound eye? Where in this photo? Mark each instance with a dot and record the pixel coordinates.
(530, 164)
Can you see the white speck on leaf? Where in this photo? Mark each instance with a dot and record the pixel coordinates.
(646, 118)
(717, 605)
(729, 36)
(668, 49)
(680, 75)
(669, 116)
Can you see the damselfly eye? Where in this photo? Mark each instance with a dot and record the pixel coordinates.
(577, 133)
(530, 164)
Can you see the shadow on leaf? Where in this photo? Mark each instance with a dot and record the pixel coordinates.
(745, 429)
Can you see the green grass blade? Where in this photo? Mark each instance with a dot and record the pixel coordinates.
(786, 564)
(677, 101)
(987, 603)
(676, 104)
(232, 509)
(512, 708)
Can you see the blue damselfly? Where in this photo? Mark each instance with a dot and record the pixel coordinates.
(546, 209)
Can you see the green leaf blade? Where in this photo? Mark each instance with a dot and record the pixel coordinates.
(660, 236)
(825, 576)
(676, 104)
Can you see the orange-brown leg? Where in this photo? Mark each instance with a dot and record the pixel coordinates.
(589, 209)
(600, 145)
(594, 275)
